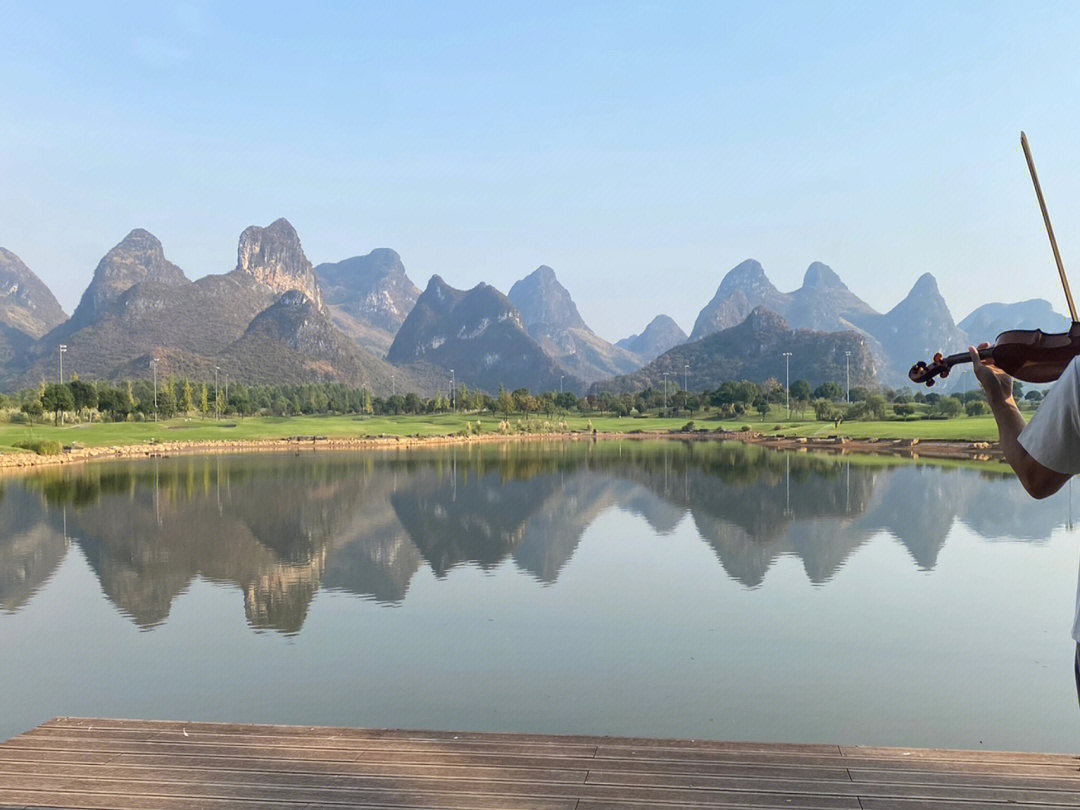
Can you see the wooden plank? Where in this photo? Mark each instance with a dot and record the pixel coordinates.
(92, 741)
(33, 799)
(337, 732)
(77, 791)
(102, 763)
(396, 791)
(955, 755)
(689, 761)
(339, 773)
(701, 758)
(923, 804)
(1069, 780)
(63, 725)
(1009, 793)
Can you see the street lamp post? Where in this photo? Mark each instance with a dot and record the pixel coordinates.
(685, 369)
(153, 365)
(560, 383)
(787, 382)
(847, 374)
(60, 350)
(217, 398)
(393, 386)
(665, 389)
(453, 392)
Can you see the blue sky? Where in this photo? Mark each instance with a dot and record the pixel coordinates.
(640, 149)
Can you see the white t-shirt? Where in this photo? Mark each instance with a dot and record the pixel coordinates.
(1052, 438)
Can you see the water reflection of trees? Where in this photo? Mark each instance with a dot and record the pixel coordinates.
(279, 528)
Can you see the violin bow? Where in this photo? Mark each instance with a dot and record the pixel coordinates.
(1049, 227)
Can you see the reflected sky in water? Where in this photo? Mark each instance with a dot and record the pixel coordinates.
(660, 589)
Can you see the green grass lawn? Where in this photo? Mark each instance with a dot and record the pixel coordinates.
(977, 428)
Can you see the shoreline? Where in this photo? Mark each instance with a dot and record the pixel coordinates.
(907, 448)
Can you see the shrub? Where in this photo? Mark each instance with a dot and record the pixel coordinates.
(975, 407)
(43, 447)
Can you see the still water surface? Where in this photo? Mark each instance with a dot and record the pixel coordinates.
(702, 590)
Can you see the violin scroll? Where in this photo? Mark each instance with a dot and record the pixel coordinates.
(938, 366)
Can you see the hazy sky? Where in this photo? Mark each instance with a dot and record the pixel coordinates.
(640, 149)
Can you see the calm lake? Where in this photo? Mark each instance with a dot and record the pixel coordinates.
(657, 589)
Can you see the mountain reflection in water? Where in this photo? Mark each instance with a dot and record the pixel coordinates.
(281, 526)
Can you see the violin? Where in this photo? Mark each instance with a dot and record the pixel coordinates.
(1030, 355)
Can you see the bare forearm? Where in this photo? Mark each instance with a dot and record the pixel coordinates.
(1038, 480)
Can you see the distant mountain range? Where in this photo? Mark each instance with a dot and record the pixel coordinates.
(276, 318)
(754, 349)
(551, 318)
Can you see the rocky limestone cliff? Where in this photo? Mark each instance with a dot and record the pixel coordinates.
(660, 335)
(273, 257)
(137, 258)
(743, 288)
(479, 334)
(26, 304)
(368, 296)
(543, 301)
(552, 319)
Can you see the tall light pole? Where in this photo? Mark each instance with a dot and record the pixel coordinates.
(153, 366)
(685, 368)
(393, 386)
(60, 357)
(847, 371)
(665, 389)
(787, 382)
(453, 397)
(560, 383)
(217, 399)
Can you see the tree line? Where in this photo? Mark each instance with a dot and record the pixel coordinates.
(140, 400)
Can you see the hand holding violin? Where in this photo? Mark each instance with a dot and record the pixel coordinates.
(997, 383)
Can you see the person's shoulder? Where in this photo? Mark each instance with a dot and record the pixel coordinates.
(1073, 369)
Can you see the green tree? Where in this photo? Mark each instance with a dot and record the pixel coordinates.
(84, 395)
(947, 407)
(32, 409)
(825, 411)
(56, 398)
(505, 402)
(167, 399)
(875, 404)
(828, 390)
(800, 390)
(204, 401)
(187, 397)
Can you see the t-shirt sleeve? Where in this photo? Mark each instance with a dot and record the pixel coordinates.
(1052, 437)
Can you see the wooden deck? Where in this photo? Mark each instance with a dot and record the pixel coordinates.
(90, 763)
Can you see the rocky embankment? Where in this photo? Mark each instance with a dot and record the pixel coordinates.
(911, 448)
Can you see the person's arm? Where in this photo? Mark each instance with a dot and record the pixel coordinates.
(1039, 481)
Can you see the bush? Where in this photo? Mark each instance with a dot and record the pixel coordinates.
(688, 427)
(976, 407)
(825, 411)
(903, 409)
(43, 447)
